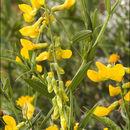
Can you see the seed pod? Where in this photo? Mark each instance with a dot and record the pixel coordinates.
(54, 84)
(61, 84)
(54, 102)
(59, 102)
(50, 87)
(56, 113)
(64, 96)
(63, 122)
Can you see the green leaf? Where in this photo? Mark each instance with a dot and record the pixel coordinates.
(82, 35)
(87, 118)
(13, 61)
(115, 6)
(81, 73)
(108, 5)
(39, 87)
(85, 15)
(95, 18)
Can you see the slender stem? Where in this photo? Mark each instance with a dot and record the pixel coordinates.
(14, 110)
(102, 31)
(71, 110)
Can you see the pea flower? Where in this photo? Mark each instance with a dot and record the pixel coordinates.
(67, 83)
(105, 129)
(11, 123)
(76, 126)
(114, 73)
(67, 4)
(104, 111)
(30, 12)
(24, 99)
(114, 58)
(127, 96)
(113, 91)
(32, 30)
(60, 54)
(52, 128)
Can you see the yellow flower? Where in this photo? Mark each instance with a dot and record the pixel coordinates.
(126, 85)
(32, 46)
(127, 96)
(23, 99)
(37, 3)
(29, 13)
(67, 4)
(52, 128)
(39, 68)
(28, 110)
(67, 83)
(33, 30)
(113, 91)
(114, 73)
(114, 58)
(105, 129)
(18, 59)
(24, 53)
(101, 111)
(76, 126)
(60, 54)
(10, 123)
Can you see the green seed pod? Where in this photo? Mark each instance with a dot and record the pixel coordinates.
(59, 102)
(54, 84)
(59, 69)
(64, 96)
(54, 102)
(50, 87)
(61, 84)
(56, 113)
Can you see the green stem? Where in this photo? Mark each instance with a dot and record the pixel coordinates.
(14, 110)
(46, 118)
(71, 111)
(102, 31)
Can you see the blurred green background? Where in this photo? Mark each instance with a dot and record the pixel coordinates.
(115, 40)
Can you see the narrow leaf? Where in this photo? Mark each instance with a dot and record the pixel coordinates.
(82, 35)
(87, 118)
(108, 5)
(39, 87)
(81, 73)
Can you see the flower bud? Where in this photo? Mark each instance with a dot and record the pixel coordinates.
(113, 106)
(126, 85)
(59, 102)
(59, 69)
(50, 87)
(56, 113)
(63, 122)
(54, 86)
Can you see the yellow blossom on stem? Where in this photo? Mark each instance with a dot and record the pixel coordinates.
(113, 91)
(18, 59)
(52, 128)
(39, 68)
(101, 111)
(67, 4)
(10, 123)
(67, 83)
(114, 58)
(33, 30)
(114, 73)
(127, 96)
(105, 129)
(37, 3)
(60, 54)
(23, 99)
(76, 126)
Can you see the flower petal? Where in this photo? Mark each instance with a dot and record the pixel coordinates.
(113, 91)
(25, 8)
(101, 111)
(127, 96)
